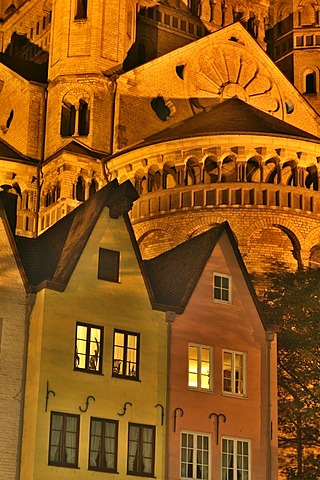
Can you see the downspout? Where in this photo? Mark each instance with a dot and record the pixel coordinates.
(170, 316)
(39, 166)
(30, 301)
(269, 339)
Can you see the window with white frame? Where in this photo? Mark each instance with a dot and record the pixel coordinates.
(221, 288)
(235, 461)
(195, 455)
(234, 372)
(200, 366)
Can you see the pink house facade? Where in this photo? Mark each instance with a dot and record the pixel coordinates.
(222, 418)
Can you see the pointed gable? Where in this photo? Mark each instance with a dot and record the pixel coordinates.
(52, 257)
(173, 275)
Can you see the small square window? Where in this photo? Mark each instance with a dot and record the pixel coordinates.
(103, 445)
(108, 268)
(200, 367)
(64, 440)
(141, 450)
(126, 355)
(88, 349)
(221, 288)
(234, 372)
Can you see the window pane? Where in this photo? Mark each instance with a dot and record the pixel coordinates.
(227, 361)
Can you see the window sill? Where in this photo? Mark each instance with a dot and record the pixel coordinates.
(200, 390)
(123, 377)
(92, 372)
(234, 395)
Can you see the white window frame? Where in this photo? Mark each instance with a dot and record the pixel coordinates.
(233, 391)
(200, 349)
(222, 276)
(234, 471)
(194, 453)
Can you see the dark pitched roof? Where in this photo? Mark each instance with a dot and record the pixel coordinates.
(9, 153)
(28, 70)
(230, 117)
(52, 257)
(174, 274)
(78, 148)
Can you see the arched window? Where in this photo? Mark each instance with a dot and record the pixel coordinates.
(84, 117)
(80, 193)
(93, 187)
(82, 6)
(311, 83)
(68, 119)
(75, 116)
(211, 171)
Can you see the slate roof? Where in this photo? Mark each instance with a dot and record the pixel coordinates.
(77, 148)
(28, 70)
(9, 153)
(230, 117)
(173, 275)
(52, 257)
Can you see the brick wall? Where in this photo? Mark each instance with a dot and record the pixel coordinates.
(12, 345)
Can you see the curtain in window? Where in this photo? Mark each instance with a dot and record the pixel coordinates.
(71, 440)
(56, 438)
(147, 450)
(95, 444)
(109, 445)
(133, 457)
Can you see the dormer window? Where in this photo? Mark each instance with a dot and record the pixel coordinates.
(221, 288)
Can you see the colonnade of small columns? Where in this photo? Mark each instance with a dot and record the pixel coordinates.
(229, 169)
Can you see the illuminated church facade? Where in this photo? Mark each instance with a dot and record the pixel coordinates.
(210, 110)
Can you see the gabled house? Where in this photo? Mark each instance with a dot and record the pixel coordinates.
(96, 367)
(222, 370)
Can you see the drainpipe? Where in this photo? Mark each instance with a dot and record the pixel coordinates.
(170, 316)
(30, 301)
(39, 167)
(269, 340)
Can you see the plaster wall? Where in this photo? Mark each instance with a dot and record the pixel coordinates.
(124, 305)
(234, 326)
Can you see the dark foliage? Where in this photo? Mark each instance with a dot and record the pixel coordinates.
(292, 301)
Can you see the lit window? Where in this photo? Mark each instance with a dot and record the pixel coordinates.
(64, 440)
(141, 448)
(200, 360)
(103, 445)
(195, 455)
(126, 355)
(234, 372)
(235, 459)
(221, 288)
(109, 264)
(88, 350)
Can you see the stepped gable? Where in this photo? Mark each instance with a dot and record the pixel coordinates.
(30, 71)
(50, 259)
(9, 153)
(231, 116)
(173, 275)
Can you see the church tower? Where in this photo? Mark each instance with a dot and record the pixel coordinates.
(294, 44)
